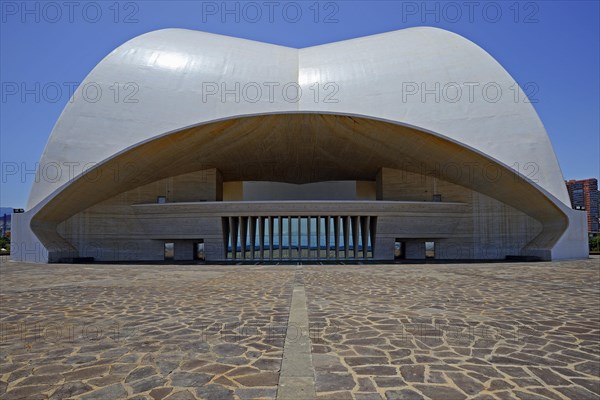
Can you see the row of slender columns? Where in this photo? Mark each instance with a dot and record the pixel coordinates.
(363, 230)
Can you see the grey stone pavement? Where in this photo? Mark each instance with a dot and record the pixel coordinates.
(427, 331)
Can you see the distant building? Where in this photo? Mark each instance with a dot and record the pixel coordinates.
(584, 196)
(5, 225)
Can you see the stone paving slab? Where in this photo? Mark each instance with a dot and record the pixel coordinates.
(486, 331)
(476, 331)
(141, 332)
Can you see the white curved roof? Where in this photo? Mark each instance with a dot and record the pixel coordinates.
(173, 69)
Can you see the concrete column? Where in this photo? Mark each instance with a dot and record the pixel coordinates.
(290, 237)
(318, 237)
(327, 234)
(373, 233)
(243, 221)
(365, 234)
(280, 219)
(346, 236)
(271, 235)
(261, 239)
(299, 236)
(183, 250)
(415, 250)
(252, 236)
(336, 236)
(384, 249)
(234, 234)
(226, 233)
(308, 241)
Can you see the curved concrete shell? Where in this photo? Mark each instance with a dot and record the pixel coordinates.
(438, 140)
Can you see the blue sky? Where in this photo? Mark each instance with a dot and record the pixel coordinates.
(552, 44)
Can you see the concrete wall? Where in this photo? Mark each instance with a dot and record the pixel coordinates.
(206, 185)
(331, 190)
(112, 231)
(491, 230)
(366, 190)
(233, 191)
(465, 225)
(24, 245)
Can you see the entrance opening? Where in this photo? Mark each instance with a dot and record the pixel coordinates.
(399, 250)
(169, 251)
(199, 254)
(429, 250)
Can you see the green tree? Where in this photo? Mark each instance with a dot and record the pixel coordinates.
(5, 243)
(595, 243)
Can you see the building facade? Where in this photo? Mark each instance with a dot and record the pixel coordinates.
(403, 145)
(584, 196)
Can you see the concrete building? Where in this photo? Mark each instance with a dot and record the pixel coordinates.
(584, 196)
(188, 145)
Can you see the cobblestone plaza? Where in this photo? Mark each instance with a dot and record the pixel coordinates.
(426, 331)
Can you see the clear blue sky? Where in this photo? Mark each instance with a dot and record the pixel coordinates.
(554, 44)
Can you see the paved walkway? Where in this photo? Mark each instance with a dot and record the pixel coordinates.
(480, 331)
